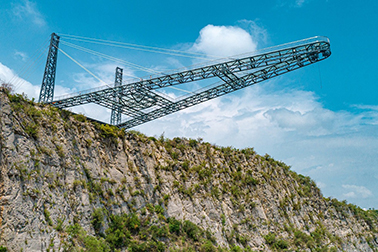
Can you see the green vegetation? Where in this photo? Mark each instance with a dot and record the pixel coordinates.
(140, 233)
(46, 213)
(3, 249)
(275, 243)
(194, 170)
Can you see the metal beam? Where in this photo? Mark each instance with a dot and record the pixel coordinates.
(48, 82)
(115, 117)
(141, 103)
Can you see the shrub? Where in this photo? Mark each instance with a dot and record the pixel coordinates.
(3, 249)
(94, 245)
(97, 219)
(80, 117)
(301, 239)
(236, 249)
(185, 165)
(270, 238)
(174, 226)
(193, 143)
(281, 244)
(133, 222)
(108, 131)
(159, 209)
(249, 180)
(74, 230)
(32, 130)
(208, 247)
(191, 230)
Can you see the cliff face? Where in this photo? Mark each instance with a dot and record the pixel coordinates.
(60, 173)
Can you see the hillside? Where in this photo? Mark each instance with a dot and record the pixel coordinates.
(68, 184)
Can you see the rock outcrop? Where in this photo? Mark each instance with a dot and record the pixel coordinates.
(57, 169)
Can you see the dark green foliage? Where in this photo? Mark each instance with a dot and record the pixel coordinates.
(236, 249)
(301, 239)
(118, 238)
(108, 131)
(185, 165)
(159, 209)
(79, 117)
(135, 233)
(275, 243)
(3, 249)
(191, 230)
(32, 130)
(270, 238)
(208, 247)
(249, 180)
(97, 219)
(17, 98)
(94, 245)
(193, 143)
(174, 226)
(74, 230)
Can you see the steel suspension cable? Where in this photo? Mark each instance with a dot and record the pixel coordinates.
(28, 68)
(117, 60)
(145, 69)
(142, 47)
(83, 67)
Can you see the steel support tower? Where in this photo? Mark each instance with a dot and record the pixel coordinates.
(141, 102)
(115, 117)
(48, 83)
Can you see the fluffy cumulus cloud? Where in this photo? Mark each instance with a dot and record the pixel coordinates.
(19, 85)
(27, 11)
(224, 41)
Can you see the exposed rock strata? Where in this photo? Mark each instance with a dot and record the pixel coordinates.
(56, 164)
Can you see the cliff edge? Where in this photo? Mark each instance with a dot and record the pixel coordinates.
(68, 184)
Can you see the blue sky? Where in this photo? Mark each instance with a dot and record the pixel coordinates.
(322, 120)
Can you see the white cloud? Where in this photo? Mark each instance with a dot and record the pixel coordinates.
(20, 85)
(366, 107)
(257, 31)
(224, 41)
(299, 3)
(27, 10)
(357, 191)
(21, 55)
(291, 3)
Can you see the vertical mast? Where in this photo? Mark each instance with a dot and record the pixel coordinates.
(115, 117)
(48, 82)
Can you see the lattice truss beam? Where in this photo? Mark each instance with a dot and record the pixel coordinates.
(48, 82)
(140, 102)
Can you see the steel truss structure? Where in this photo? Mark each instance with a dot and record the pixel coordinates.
(115, 117)
(140, 102)
(48, 82)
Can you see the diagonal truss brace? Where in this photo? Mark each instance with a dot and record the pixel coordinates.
(140, 103)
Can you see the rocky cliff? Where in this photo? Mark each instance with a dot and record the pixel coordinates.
(68, 184)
